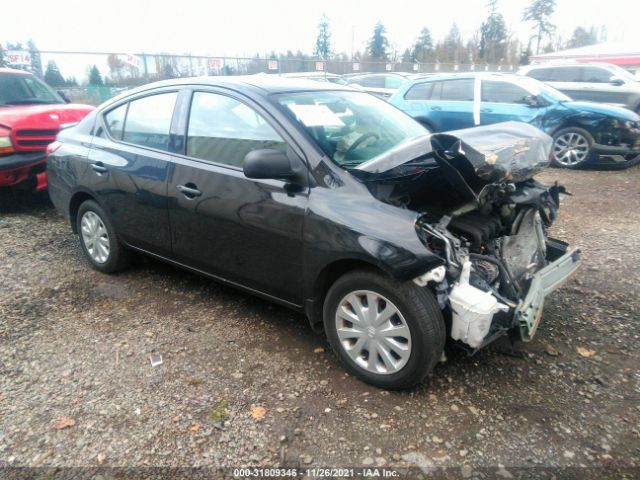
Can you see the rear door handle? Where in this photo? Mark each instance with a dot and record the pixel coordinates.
(436, 109)
(99, 167)
(486, 110)
(189, 190)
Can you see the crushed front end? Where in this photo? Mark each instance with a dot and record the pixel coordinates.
(500, 263)
(483, 213)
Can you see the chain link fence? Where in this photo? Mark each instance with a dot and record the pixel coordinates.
(120, 71)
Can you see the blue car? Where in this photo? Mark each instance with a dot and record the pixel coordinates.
(584, 133)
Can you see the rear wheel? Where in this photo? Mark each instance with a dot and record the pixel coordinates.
(571, 147)
(98, 239)
(386, 333)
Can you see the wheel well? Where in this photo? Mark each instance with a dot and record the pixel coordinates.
(571, 124)
(326, 278)
(74, 205)
(427, 123)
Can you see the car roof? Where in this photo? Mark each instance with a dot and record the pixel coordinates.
(16, 71)
(260, 84)
(462, 75)
(567, 65)
(308, 74)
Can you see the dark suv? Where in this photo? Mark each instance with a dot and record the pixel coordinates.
(326, 200)
(596, 82)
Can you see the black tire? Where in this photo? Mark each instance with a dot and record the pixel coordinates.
(421, 313)
(563, 132)
(118, 257)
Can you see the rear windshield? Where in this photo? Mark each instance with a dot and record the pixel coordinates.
(18, 89)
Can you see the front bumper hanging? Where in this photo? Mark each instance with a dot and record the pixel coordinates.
(529, 312)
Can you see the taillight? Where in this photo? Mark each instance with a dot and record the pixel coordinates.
(52, 147)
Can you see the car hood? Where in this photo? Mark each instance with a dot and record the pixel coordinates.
(502, 152)
(602, 109)
(46, 117)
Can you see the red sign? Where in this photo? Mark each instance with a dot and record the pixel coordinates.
(320, 66)
(356, 67)
(18, 57)
(272, 65)
(215, 63)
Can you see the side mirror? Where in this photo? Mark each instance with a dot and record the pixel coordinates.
(268, 163)
(616, 81)
(534, 101)
(64, 96)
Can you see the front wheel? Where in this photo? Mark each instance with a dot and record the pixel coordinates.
(571, 147)
(386, 333)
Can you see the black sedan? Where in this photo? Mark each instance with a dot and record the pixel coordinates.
(326, 200)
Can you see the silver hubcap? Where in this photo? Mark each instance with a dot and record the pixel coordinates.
(570, 148)
(373, 332)
(95, 237)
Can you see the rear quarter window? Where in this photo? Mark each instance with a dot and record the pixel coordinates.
(114, 120)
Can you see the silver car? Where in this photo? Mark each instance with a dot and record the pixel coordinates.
(596, 82)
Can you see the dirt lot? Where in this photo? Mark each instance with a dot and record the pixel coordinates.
(75, 344)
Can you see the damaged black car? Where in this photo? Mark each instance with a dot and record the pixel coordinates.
(326, 200)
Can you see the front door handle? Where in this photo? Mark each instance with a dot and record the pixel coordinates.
(99, 167)
(486, 110)
(436, 109)
(189, 190)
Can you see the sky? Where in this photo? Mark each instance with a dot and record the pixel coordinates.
(244, 27)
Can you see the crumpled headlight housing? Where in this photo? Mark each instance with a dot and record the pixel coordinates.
(628, 124)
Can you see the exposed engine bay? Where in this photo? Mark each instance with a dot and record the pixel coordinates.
(486, 217)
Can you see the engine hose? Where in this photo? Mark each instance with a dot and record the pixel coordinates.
(504, 272)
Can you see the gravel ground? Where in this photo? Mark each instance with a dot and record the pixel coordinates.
(75, 345)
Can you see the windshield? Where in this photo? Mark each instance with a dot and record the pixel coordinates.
(622, 73)
(350, 127)
(19, 89)
(536, 87)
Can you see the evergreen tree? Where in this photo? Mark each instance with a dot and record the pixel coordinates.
(3, 62)
(323, 40)
(423, 48)
(95, 79)
(53, 76)
(378, 44)
(493, 36)
(36, 61)
(582, 37)
(451, 49)
(539, 12)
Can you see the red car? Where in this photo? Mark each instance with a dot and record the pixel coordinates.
(31, 115)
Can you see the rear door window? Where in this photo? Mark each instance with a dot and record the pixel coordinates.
(457, 90)
(148, 121)
(569, 74)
